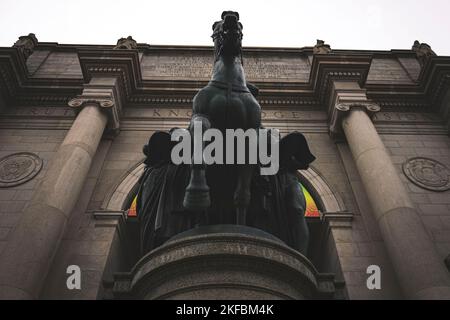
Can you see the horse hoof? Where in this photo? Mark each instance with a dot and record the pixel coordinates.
(196, 200)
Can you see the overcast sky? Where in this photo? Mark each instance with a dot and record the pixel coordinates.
(345, 24)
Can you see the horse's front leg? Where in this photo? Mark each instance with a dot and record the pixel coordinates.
(242, 193)
(196, 197)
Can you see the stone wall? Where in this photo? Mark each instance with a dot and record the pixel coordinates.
(13, 200)
(89, 241)
(433, 206)
(94, 237)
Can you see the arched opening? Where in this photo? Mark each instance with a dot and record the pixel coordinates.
(323, 207)
(320, 201)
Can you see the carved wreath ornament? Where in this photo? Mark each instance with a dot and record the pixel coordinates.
(427, 173)
(18, 168)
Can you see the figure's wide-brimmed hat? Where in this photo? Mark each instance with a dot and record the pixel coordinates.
(295, 152)
(158, 148)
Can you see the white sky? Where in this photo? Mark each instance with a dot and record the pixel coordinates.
(345, 24)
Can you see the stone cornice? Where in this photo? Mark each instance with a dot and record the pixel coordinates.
(123, 64)
(144, 47)
(331, 67)
(13, 72)
(18, 88)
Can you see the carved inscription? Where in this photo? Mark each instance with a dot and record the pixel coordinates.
(264, 68)
(41, 111)
(405, 117)
(285, 115)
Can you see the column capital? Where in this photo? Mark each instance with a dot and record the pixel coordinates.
(341, 109)
(102, 92)
(80, 102)
(105, 103)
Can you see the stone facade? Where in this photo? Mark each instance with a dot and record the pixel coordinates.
(86, 111)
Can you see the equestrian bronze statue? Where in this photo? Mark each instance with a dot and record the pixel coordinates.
(174, 198)
(225, 103)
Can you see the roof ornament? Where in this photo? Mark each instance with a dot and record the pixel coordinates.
(127, 43)
(423, 52)
(321, 47)
(26, 44)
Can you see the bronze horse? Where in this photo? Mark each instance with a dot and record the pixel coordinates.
(225, 103)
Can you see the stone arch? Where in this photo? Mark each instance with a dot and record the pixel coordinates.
(120, 195)
(327, 200)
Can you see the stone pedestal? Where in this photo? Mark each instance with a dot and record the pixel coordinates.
(224, 262)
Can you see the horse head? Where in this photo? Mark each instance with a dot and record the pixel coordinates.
(227, 35)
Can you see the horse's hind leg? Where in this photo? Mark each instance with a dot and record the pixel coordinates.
(197, 192)
(242, 193)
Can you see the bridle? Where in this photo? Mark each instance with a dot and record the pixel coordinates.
(218, 35)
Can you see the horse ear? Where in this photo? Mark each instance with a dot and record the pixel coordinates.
(224, 13)
(294, 152)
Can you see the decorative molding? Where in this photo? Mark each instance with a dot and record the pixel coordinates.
(18, 168)
(121, 64)
(342, 109)
(168, 100)
(403, 106)
(342, 219)
(20, 88)
(427, 173)
(8, 82)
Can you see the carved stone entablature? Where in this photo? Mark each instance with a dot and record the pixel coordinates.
(8, 81)
(427, 173)
(26, 44)
(127, 43)
(105, 103)
(342, 109)
(321, 47)
(182, 100)
(440, 95)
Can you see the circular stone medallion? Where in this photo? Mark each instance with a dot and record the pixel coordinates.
(18, 168)
(427, 173)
